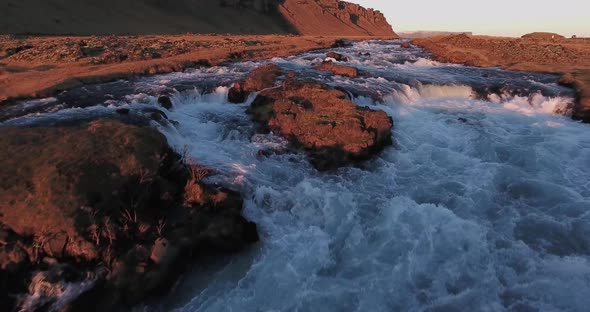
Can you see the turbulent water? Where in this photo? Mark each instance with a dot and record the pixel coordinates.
(482, 204)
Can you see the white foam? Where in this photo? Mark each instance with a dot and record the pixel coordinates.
(423, 62)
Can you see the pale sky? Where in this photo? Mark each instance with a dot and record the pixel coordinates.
(491, 17)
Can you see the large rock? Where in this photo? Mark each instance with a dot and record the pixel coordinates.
(260, 78)
(323, 121)
(109, 193)
(342, 70)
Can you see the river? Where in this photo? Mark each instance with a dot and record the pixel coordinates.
(481, 204)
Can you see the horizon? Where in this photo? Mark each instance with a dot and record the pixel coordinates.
(463, 16)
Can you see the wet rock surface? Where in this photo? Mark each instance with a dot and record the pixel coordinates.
(260, 78)
(93, 209)
(337, 56)
(323, 121)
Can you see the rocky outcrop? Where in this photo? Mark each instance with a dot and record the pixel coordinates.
(104, 210)
(333, 17)
(323, 121)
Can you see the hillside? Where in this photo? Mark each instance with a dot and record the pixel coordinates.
(140, 17)
(333, 17)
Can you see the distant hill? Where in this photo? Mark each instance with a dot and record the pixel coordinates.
(428, 34)
(543, 36)
(139, 17)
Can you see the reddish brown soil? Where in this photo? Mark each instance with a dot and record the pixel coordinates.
(569, 57)
(40, 66)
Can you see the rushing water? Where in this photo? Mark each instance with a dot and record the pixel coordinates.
(482, 204)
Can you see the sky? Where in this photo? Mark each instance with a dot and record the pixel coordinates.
(487, 17)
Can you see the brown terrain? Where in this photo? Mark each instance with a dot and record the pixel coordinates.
(33, 66)
(538, 52)
(40, 66)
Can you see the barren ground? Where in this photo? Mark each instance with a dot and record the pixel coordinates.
(41, 66)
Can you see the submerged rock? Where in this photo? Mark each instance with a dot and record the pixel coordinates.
(106, 192)
(260, 78)
(324, 121)
(165, 102)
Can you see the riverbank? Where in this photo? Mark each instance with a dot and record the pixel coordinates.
(568, 57)
(42, 66)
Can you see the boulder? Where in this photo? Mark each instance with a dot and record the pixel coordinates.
(341, 70)
(260, 78)
(109, 192)
(337, 56)
(323, 121)
(165, 102)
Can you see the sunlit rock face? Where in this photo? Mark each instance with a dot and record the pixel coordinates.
(332, 17)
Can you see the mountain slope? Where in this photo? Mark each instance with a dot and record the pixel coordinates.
(140, 17)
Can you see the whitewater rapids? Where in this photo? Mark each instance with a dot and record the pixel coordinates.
(482, 204)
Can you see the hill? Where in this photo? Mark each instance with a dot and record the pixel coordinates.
(428, 34)
(141, 17)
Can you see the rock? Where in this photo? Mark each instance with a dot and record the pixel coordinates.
(12, 51)
(341, 43)
(567, 79)
(260, 78)
(163, 252)
(341, 70)
(158, 116)
(165, 102)
(406, 45)
(236, 94)
(122, 111)
(337, 56)
(323, 121)
(90, 192)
